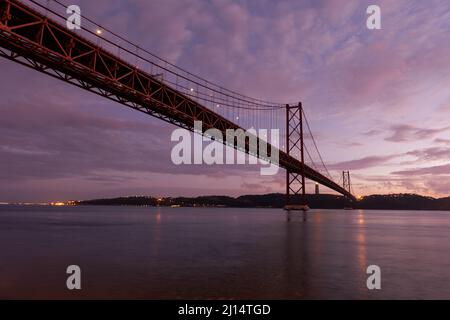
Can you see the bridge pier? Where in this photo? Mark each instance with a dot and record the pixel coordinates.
(296, 207)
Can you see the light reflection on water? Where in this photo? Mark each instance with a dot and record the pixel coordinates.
(146, 252)
(361, 236)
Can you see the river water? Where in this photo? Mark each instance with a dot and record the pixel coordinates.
(222, 253)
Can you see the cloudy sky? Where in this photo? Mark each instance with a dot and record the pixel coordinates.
(378, 100)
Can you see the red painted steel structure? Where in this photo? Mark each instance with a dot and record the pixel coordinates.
(295, 181)
(31, 39)
(346, 184)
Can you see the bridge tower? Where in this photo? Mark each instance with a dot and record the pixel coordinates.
(346, 181)
(295, 182)
(346, 184)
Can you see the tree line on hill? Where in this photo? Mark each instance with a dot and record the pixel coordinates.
(277, 200)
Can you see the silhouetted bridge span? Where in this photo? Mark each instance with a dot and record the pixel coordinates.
(32, 38)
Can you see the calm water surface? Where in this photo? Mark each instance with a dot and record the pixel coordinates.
(145, 252)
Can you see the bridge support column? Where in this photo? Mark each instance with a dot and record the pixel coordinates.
(295, 181)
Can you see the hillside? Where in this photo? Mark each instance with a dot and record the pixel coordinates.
(276, 200)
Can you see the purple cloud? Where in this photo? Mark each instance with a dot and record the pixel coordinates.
(442, 141)
(434, 170)
(402, 133)
(373, 132)
(363, 163)
(434, 153)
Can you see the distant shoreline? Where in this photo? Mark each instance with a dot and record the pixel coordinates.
(277, 200)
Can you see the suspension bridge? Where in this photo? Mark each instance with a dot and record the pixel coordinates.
(94, 58)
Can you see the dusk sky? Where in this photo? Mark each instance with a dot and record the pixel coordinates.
(378, 101)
